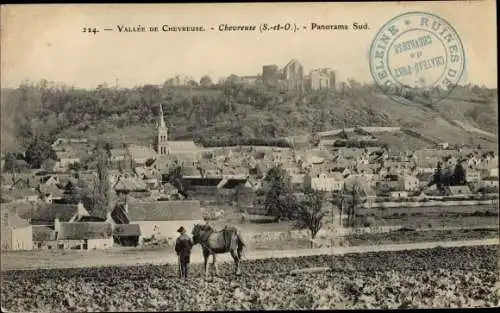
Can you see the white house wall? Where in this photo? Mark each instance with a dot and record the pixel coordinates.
(17, 238)
(166, 229)
(99, 243)
(326, 184)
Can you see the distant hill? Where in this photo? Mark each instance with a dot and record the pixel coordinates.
(129, 115)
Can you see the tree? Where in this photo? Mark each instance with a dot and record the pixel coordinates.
(231, 79)
(459, 175)
(72, 193)
(437, 177)
(101, 192)
(442, 178)
(38, 151)
(192, 83)
(14, 163)
(339, 199)
(279, 199)
(171, 82)
(174, 177)
(310, 213)
(206, 81)
(355, 200)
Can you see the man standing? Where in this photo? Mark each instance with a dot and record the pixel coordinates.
(183, 247)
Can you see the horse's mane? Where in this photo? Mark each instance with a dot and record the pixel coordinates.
(205, 227)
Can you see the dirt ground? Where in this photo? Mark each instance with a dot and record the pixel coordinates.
(163, 254)
(426, 277)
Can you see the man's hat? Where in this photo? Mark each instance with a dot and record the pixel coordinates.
(181, 230)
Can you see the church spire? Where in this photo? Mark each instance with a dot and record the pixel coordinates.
(162, 120)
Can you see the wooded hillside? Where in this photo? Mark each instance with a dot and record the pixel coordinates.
(230, 111)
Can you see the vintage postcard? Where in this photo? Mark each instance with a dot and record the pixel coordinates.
(249, 156)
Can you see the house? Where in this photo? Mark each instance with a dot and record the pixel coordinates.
(352, 153)
(186, 149)
(472, 175)
(427, 165)
(22, 195)
(324, 182)
(18, 208)
(326, 143)
(141, 154)
(343, 171)
(49, 180)
(488, 182)
(117, 155)
(368, 178)
(128, 184)
(127, 234)
(377, 156)
(297, 180)
(16, 233)
(488, 165)
(49, 193)
(59, 142)
(392, 180)
(489, 172)
(46, 213)
(408, 183)
(442, 145)
(489, 158)
(232, 181)
(65, 159)
(159, 218)
(459, 191)
(365, 190)
(20, 180)
(83, 235)
(367, 168)
(398, 195)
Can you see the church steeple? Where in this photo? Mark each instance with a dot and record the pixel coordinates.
(162, 120)
(162, 147)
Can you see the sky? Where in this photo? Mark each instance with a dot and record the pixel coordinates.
(47, 42)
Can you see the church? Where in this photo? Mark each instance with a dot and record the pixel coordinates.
(164, 152)
(180, 149)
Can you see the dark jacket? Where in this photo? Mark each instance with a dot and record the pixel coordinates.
(183, 245)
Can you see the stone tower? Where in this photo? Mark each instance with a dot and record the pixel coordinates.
(162, 141)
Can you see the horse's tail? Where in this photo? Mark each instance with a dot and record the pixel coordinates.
(241, 245)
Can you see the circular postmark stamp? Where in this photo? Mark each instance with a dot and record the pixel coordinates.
(417, 57)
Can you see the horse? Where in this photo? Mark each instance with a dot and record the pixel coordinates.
(218, 242)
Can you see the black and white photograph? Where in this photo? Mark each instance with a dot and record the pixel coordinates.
(249, 156)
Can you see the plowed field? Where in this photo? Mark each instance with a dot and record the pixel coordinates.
(439, 277)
